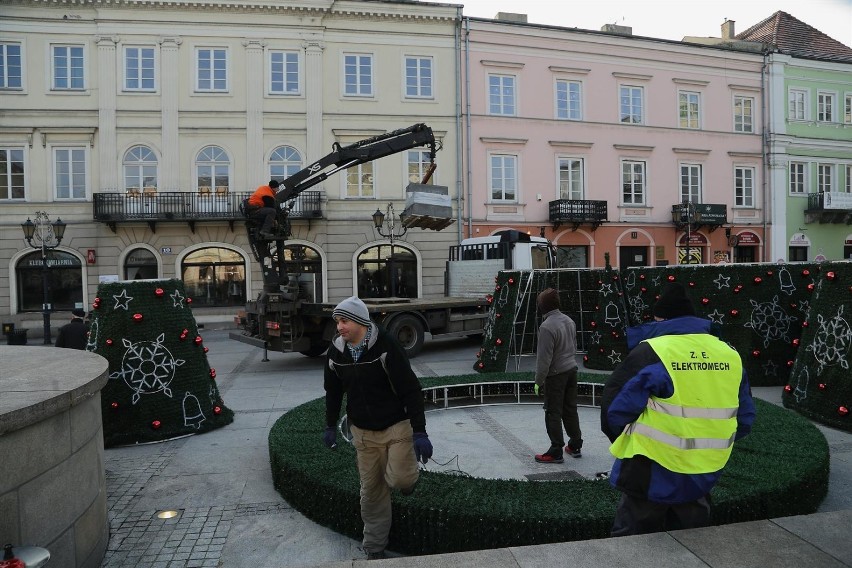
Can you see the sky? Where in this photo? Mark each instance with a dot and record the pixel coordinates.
(671, 19)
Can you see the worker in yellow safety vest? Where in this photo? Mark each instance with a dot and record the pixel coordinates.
(672, 411)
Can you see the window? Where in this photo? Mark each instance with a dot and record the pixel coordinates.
(284, 162)
(418, 164)
(743, 114)
(501, 95)
(11, 173)
(212, 168)
(359, 181)
(139, 69)
(571, 178)
(798, 254)
(572, 256)
(357, 75)
(798, 105)
(688, 109)
(743, 187)
(690, 183)
(140, 264)
(68, 67)
(303, 265)
(140, 168)
(418, 77)
(65, 279)
(847, 112)
(568, 100)
(632, 182)
(10, 66)
(504, 177)
(825, 178)
(825, 107)
(69, 165)
(284, 73)
(385, 271)
(798, 178)
(848, 184)
(630, 105)
(211, 70)
(215, 276)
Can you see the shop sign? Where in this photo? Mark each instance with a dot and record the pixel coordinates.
(748, 239)
(695, 239)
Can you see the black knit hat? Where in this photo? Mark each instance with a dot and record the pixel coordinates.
(548, 300)
(673, 302)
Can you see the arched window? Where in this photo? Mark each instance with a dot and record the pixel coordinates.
(140, 168)
(385, 271)
(140, 264)
(64, 276)
(213, 169)
(305, 265)
(284, 162)
(214, 276)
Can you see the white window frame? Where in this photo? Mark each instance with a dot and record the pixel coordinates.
(798, 179)
(847, 111)
(798, 104)
(630, 116)
(744, 186)
(691, 189)
(360, 181)
(424, 83)
(848, 183)
(498, 105)
(416, 163)
(826, 106)
(284, 161)
(214, 166)
(825, 171)
(568, 108)
(68, 76)
(9, 159)
(75, 192)
(212, 80)
(4, 60)
(287, 55)
(689, 109)
(361, 90)
(139, 70)
(499, 162)
(643, 185)
(744, 114)
(570, 181)
(139, 168)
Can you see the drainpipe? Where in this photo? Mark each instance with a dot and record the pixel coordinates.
(459, 161)
(767, 201)
(467, 123)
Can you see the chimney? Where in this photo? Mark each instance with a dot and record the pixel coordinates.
(616, 29)
(510, 17)
(728, 30)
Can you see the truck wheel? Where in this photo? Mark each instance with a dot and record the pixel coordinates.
(408, 331)
(318, 347)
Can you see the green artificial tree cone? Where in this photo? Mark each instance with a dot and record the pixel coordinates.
(607, 342)
(161, 385)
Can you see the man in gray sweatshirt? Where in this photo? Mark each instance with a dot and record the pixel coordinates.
(556, 374)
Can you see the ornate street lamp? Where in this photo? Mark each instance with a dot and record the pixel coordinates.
(45, 236)
(686, 216)
(385, 224)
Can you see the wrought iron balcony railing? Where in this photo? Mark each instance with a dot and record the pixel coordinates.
(578, 212)
(829, 207)
(181, 206)
(692, 216)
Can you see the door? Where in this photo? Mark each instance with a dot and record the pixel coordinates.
(633, 256)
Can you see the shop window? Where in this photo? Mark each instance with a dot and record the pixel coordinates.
(214, 276)
(798, 254)
(572, 256)
(140, 264)
(385, 272)
(64, 277)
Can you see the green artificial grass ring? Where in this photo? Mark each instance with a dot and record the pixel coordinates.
(781, 469)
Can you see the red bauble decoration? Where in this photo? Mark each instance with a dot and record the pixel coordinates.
(497, 288)
(481, 365)
(755, 353)
(641, 277)
(489, 298)
(498, 341)
(822, 386)
(109, 342)
(615, 277)
(830, 275)
(498, 315)
(705, 301)
(643, 289)
(585, 358)
(670, 278)
(159, 292)
(788, 388)
(735, 313)
(737, 290)
(795, 342)
(805, 324)
(614, 334)
(593, 324)
(217, 410)
(185, 331)
(113, 405)
(137, 317)
(198, 340)
(790, 363)
(182, 336)
(212, 373)
(811, 287)
(206, 349)
(692, 284)
(601, 350)
(511, 281)
(188, 300)
(156, 424)
(769, 273)
(806, 273)
(842, 411)
(758, 279)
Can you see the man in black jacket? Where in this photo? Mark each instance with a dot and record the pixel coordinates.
(75, 334)
(384, 408)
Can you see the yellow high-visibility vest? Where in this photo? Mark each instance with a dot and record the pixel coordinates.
(693, 430)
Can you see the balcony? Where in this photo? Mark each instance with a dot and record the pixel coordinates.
(829, 207)
(696, 215)
(578, 212)
(152, 207)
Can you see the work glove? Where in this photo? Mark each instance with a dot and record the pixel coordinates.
(422, 447)
(538, 390)
(329, 437)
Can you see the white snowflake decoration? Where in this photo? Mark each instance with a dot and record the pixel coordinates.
(122, 301)
(770, 321)
(831, 343)
(637, 307)
(147, 367)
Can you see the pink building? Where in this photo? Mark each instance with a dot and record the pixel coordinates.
(606, 142)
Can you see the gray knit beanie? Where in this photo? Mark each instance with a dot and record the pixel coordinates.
(353, 309)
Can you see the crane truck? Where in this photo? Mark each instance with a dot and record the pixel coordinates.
(281, 320)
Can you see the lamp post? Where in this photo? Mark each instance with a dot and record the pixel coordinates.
(684, 216)
(45, 236)
(385, 224)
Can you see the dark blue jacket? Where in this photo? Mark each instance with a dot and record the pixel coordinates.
(625, 396)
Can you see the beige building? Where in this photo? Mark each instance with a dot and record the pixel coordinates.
(142, 126)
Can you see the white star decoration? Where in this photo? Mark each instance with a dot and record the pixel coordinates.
(122, 300)
(177, 298)
(614, 357)
(722, 282)
(716, 316)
